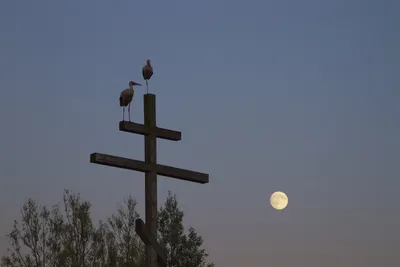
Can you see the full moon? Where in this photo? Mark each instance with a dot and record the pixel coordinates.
(279, 200)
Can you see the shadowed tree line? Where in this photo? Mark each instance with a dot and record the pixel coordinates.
(66, 236)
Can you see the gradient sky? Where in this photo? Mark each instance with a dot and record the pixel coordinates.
(297, 96)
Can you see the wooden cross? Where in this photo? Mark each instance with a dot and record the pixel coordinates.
(148, 232)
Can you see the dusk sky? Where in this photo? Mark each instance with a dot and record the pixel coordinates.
(294, 96)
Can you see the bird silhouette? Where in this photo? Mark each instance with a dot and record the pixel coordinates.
(147, 72)
(126, 97)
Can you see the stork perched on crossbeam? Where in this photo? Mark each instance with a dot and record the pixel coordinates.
(147, 72)
(126, 97)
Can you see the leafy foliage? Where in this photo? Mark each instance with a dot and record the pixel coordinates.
(65, 236)
(182, 250)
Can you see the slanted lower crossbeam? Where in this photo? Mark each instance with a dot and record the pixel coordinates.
(150, 240)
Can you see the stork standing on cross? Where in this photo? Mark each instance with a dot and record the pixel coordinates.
(126, 97)
(147, 72)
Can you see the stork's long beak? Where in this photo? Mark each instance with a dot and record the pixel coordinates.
(138, 84)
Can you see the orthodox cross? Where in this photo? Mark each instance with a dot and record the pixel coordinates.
(148, 231)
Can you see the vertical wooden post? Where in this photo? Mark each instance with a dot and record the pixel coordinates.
(150, 144)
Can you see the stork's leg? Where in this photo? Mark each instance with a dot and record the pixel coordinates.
(123, 113)
(129, 111)
(147, 86)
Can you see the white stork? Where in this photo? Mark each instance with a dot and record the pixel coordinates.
(147, 72)
(126, 97)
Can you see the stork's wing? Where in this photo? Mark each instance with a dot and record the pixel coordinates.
(124, 92)
(147, 72)
(126, 97)
(121, 97)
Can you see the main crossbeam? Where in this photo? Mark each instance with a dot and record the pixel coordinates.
(141, 166)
